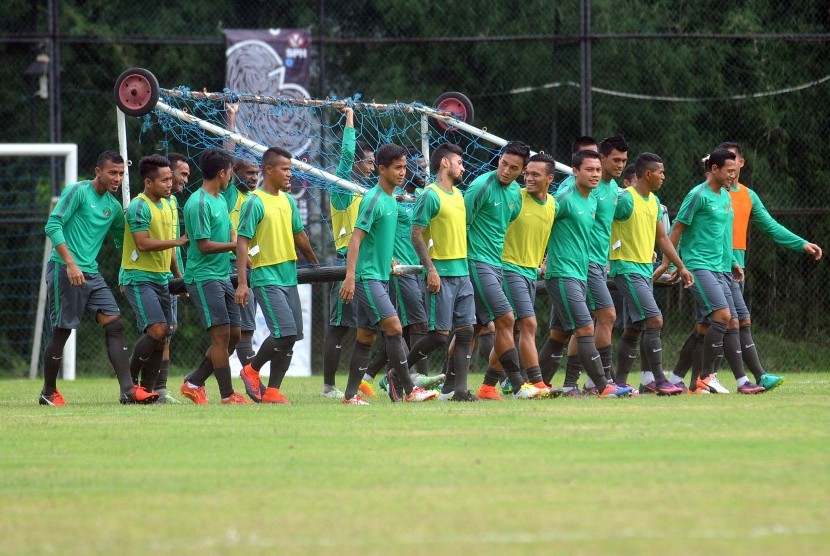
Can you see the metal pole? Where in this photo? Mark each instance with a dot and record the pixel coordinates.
(585, 57)
(122, 147)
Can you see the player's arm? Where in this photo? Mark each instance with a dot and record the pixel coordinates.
(231, 110)
(174, 265)
(347, 289)
(474, 198)
(341, 198)
(670, 254)
(426, 207)
(778, 233)
(198, 230)
(66, 207)
(139, 214)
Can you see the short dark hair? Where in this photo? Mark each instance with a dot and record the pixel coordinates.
(387, 154)
(629, 172)
(517, 148)
(363, 148)
(718, 157)
(273, 153)
(175, 158)
(214, 161)
(442, 151)
(729, 145)
(548, 160)
(108, 156)
(646, 161)
(581, 142)
(614, 142)
(579, 157)
(148, 167)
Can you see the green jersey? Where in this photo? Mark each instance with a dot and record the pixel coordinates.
(623, 211)
(81, 220)
(571, 232)
(404, 251)
(174, 206)
(705, 213)
(206, 217)
(568, 181)
(490, 208)
(606, 195)
(378, 217)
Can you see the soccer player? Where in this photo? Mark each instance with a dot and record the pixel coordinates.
(368, 264)
(85, 213)
(270, 230)
(524, 249)
(613, 153)
(344, 209)
(566, 279)
(206, 277)
(439, 236)
(492, 201)
(637, 225)
(149, 240)
(246, 178)
(700, 229)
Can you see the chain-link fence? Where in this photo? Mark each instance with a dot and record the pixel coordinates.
(677, 83)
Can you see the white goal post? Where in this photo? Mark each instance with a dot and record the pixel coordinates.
(69, 153)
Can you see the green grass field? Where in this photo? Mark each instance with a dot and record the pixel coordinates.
(689, 475)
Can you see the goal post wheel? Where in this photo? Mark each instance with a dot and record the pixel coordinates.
(136, 92)
(458, 104)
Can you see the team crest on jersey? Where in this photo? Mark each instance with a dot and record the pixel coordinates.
(107, 213)
(511, 206)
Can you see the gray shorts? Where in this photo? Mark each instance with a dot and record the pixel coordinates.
(637, 299)
(150, 303)
(453, 306)
(521, 294)
(568, 307)
(67, 303)
(711, 292)
(247, 314)
(598, 296)
(408, 298)
(372, 303)
(491, 303)
(737, 289)
(214, 301)
(342, 314)
(282, 310)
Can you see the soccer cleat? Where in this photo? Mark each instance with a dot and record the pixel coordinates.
(634, 391)
(196, 394)
(682, 386)
(418, 394)
(487, 392)
(612, 390)
(367, 389)
(442, 397)
(770, 381)
(573, 393)
(250, 378)
(527, 392)
(749, 388)
(235, 399)
(506, 387)
(384, 384)
(666, 388)
(394, 388)
(429, 382)
(650, 388)
(333, 393)
(713, 384)
(590, 391)
(273, 395)
(54, 398)
(699, 390)
(356, 400)
(463, 397)
(544, 389)
(138, 395)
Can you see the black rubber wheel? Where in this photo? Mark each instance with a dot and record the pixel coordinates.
(458, 104)
(136, 92)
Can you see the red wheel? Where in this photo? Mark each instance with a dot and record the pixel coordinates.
(458, 104)
(136, 92)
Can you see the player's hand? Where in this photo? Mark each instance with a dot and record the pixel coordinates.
(241, 296)
(395, 271)
(182, 241)
(76, 277)
(660, 270)
(347, 289)
(813, 250)
(737, 273)
(688, 277)
(121, 288)
(433, 281)
(232, 108)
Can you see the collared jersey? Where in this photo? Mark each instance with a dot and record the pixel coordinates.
(490, 208)
(378, 217)
(143, 215)
(206, 217)
(527, 237)
(81, 220)
(606, 195)
(444, 217)
(705, 214)
(633, 233)
(568, 242)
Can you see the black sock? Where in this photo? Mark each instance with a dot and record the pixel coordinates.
(425, 346)
(573, 369)
(712, 347)
(265, 353)
(144, 348)
(52, 359)
(379, 361)
(151, 369)
(510, 361)
(732, 352)
(418, 332)
(164, 371)
(199, 376)
(119, 354)
(332, 348)
(687, 353)
(357, 366)
(223, 379)
(449, 368)
(626, 354)
(750, 354)
(484, 345)
(534, 375)
(697, 361)
(461, 359)
(605, 360)
(652, 346)
(550, 357)
(491, 377)
(281, 360)
(589, 356)
(397, 352)
(245, 349)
